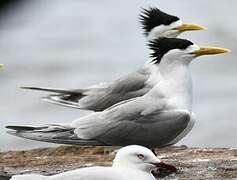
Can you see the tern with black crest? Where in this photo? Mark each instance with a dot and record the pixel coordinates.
(158, 118)
(101, 96)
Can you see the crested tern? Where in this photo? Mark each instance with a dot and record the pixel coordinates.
(99, 97)
(156, 119)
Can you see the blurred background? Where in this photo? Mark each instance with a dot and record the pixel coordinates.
(69, 43)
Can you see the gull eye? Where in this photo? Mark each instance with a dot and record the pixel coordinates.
(141, 156)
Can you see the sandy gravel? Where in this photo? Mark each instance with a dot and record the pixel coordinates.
(192, 163)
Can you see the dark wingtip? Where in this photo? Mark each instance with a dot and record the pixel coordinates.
(25, 87)
(21, 128)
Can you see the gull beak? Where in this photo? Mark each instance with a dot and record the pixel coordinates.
(189, 27)
(1, 65)
(209, 51)
(166, 166)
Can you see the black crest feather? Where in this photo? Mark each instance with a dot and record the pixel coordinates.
(153, 17)
(161, 46)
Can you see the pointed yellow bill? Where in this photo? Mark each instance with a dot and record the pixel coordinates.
(189, 27)
(210, 51)
(1, 65)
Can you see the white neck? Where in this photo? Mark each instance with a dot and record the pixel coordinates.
(176, 85)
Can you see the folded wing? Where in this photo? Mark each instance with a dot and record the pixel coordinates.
(99, 97)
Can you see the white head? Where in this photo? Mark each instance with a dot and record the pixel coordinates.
(136, 157)
(159, 24)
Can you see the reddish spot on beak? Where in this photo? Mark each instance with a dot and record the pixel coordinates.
(166, 166)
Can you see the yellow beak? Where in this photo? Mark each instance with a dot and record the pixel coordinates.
(210, 51)
(1, 65)
(189, 27)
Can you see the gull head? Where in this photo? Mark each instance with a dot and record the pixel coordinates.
(137, 157)
(156, 23)
(171, 52)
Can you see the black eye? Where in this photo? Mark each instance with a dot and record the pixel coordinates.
(141, 156)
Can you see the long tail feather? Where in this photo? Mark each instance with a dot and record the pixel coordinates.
(56, 90)
(63, 97)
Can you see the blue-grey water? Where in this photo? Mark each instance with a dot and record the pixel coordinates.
(78, 43)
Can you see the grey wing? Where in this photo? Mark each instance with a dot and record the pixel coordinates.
(186, 130)
(101, 96)
(154, 130)
(132, 86)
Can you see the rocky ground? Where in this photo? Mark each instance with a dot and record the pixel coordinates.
(192, 163)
